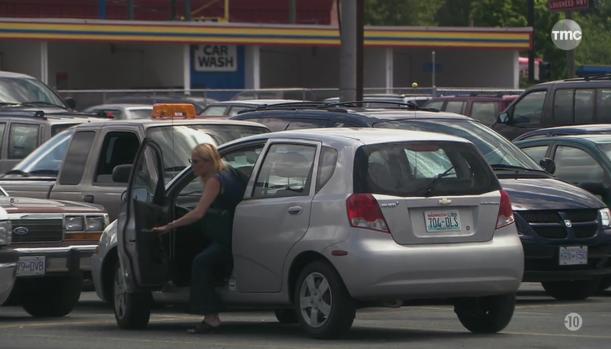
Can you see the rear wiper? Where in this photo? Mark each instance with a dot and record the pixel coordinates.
(513, 167)
(18, 172)
(429, 188)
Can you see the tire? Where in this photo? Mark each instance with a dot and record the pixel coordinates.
(286, 316)
(51, 296)
(132, 309)
(571, 290)
(486, 314)
(338, 310)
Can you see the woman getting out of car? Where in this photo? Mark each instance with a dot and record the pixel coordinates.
(223, 190)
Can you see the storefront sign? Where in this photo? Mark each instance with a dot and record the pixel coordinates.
(215, 58)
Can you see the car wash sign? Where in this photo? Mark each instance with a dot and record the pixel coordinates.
(215, 58)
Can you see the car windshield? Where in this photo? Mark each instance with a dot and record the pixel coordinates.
(176, 142)
(46, 159)
(25, 90)
(606, 149)
(495, 148)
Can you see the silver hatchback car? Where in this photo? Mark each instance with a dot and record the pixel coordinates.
(332, 220)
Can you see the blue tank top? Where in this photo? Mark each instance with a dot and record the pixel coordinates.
(233, 186)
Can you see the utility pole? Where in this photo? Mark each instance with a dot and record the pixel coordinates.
(173, 9)
(531, 52)
(570, 55)
(293, 11)
(351, 66)
(187, 10)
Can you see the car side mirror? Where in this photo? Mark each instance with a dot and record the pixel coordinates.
(120, 174)
(503, 118)
(595, 188)
(548, 165)
(70, 102)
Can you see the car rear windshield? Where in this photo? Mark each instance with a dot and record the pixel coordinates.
(422, 169)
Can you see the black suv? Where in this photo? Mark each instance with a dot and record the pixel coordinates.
(565, 231)
(557, 103)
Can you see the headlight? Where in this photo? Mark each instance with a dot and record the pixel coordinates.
(604, 216)
(5, 232)
(74, 223)
(95, 223)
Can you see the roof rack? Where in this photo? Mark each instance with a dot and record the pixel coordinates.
(37, 114)
(294, 106)
(604, 76)
(399, 105)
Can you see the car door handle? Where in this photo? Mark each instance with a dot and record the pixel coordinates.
(295, 209)
(88, 198)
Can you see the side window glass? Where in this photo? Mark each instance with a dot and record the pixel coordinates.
(286, 171)
(2, 128)
(536, 153)
(76, 159)
(455, 107)
(23, 139)
(435, 105)
(244, 160)
(603, 105)
(326, 166)
(576, 166)
(584, 106)
(485, 112)
(146, 176)
(301, 124)
(529, 110)
(215, 111)
(235, 110)
(272, 123)
(119, 148)
(563, 107)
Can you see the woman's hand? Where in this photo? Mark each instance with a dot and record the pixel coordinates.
(161, 229)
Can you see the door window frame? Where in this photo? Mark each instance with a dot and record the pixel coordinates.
(99, 150)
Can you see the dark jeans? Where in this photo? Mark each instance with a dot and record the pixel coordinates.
(207, 266)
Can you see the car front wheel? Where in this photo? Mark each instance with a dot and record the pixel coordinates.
(571, 290)
(51, 296)
(322, 303)
(488, 314)
(132, 309)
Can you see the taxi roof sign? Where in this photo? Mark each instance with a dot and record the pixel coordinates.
(173, 111)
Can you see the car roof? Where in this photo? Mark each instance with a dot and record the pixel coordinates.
(565, 130)
(350, 136)
(121, 106)
(178, 122)
(256, 102)
(587, 138)
(8, 74)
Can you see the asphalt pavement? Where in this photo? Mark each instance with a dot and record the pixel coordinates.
(539, 322)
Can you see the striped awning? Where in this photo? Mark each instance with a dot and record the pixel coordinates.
(250, 34)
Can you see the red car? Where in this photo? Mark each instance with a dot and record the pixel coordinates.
(482, 108)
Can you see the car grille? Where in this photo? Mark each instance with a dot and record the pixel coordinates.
(37, 230)
(551, 224)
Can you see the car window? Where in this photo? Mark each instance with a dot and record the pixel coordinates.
(76, 159)
(286, 171)
(529, 110)
(326, 166)
(455, 107)
(301, 124)
(576, 166)
(238, 108)
(435, 105)
(409, 168)
(536, 153)
(218, 110)
(55, 129)
(23, 139)
(2, 129)
(21, 90)
(119, 148)
(603, 105)
(145, 176)
(563, 106)
(485, 112)
(274, 124)
(584, 106)
(48, 158)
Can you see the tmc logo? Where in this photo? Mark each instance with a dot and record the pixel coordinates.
(21, 231)
(566, 34)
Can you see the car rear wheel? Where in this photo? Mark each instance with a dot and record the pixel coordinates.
(322, 303)
(132, 309)
(50, 296)
(571, 290)
(486, 314)
(286, 316)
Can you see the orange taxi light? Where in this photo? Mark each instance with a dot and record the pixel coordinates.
(173, 111)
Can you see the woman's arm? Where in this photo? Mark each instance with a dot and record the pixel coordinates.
(211, 191)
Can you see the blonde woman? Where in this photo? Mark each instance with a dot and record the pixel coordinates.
(223, 190)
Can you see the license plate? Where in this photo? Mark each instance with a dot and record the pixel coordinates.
(442, 221)
(573, 255)
(29, 266)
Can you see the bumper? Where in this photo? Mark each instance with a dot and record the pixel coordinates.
(542, 262)
(376, 268)
(8, 260)
(61, 260)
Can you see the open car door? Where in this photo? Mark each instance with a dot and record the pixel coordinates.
(143, 254)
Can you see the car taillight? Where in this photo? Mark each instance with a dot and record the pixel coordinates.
(364, 212)
(505, 211)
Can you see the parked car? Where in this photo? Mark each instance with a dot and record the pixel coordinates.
(371, 100)
(230, 108)
(265, 93)
(446, 233)
(565, 234)
(571, 130)
(199, 102)
(485, 109)
(123, 111)
(78, 163)
(557, 103)
(45, 248)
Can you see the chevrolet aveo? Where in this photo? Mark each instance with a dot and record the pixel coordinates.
(332, 221)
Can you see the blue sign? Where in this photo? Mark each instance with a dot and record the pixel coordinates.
(217, 67)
